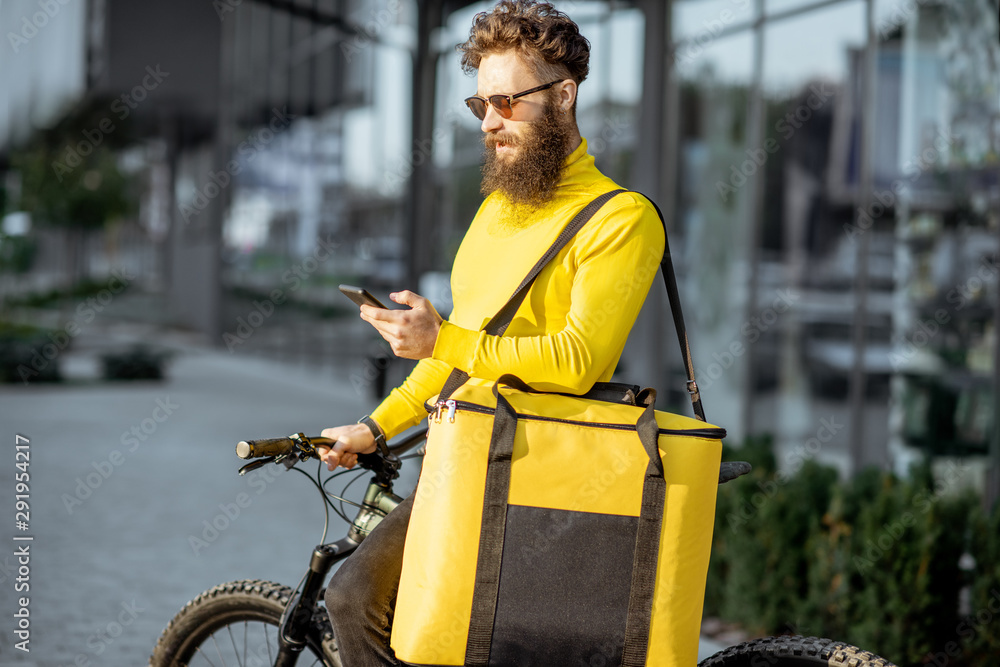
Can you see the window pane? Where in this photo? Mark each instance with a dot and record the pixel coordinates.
(703, 20)
(812, 88)
(811, 46)
(710, 236)
(776, 6)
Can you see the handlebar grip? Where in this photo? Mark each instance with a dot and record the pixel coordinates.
(250, 449)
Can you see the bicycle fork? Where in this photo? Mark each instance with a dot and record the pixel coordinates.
(296, 621)
(297, 618)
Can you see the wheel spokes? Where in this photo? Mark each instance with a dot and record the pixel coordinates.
(246, 651)
(219, 651)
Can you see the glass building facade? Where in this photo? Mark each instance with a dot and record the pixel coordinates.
(828, 169)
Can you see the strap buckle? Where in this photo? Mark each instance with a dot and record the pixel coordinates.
(692, 387)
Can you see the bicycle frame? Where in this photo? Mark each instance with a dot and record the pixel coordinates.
(252, 601)
(378, 501)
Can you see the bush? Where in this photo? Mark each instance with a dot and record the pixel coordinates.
(902, 565)
(21, 354)
(979, 633)
(54, 297)
(17, 253)
(138, 363)
(734, 497)
(873, 561)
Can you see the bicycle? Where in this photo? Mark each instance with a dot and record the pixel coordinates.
(287, 623)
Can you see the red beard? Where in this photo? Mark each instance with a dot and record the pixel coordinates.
(530, 174)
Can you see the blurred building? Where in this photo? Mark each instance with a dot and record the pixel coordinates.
(828, 169)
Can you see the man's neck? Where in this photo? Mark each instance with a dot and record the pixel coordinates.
(574, 142)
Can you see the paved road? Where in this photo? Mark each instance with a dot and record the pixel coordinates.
(113, 552)
(124, 478)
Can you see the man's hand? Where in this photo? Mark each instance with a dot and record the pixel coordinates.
(411, 333)
(352, 440)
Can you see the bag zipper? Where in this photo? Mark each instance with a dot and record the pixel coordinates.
(451, 405)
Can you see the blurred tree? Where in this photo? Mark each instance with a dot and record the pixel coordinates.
(71, 179)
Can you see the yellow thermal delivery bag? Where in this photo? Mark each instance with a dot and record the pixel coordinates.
(596, 552)
(552, 529)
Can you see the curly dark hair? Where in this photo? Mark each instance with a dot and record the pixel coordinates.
(544, 36)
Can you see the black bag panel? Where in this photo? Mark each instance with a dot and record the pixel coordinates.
(564, 588)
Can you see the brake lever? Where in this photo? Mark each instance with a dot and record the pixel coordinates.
(253, 465)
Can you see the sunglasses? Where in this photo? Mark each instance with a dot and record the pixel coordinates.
(504, 104)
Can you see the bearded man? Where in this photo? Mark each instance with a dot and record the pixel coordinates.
(571, 328)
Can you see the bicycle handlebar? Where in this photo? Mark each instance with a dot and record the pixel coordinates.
(253, 449)
(250, 449)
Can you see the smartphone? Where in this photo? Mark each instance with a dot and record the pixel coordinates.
(360, 296)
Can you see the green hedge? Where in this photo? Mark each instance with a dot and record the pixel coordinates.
(874, 561)
(54, 297)
(139, 362)
(29, 354)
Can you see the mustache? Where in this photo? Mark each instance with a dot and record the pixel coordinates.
(491, 140)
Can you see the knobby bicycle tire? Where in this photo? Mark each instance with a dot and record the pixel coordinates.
(239, 619)
(794, 652)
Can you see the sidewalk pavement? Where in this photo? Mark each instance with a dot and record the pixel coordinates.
(136, 504)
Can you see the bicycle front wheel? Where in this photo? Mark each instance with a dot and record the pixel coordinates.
(794, 652)
(237, 624)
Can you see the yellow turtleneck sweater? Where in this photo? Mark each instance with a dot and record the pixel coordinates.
(571, 328)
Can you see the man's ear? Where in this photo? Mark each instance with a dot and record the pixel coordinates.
(567, 95)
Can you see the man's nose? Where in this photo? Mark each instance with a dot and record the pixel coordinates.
(493, 121)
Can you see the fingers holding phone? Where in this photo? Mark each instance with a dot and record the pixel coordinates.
(360, 296)
(411, 333)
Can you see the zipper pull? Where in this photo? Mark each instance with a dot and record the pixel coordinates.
(438, 407)
(452, 406)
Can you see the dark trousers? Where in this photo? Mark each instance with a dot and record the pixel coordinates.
(361, 595)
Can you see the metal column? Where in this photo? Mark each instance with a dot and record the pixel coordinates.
(420, 219)
(754, 211)
(864, 196)
(650, 176)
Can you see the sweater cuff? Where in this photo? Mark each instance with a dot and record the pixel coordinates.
(456, 346)
(393, 417)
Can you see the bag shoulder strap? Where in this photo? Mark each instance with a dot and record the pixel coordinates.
(673, 295)
(499, 323)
